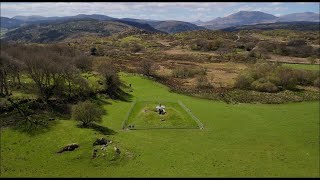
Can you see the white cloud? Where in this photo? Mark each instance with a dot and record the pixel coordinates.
(275, 4)
(245, 8)
(162, 10)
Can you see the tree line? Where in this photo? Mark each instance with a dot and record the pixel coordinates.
(54, 69)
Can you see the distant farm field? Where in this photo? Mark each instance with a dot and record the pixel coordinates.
(242, 140)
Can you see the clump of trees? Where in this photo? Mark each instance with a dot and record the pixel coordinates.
(295, 47)
(86, 112)
(147, 67)
(206, 45)
(111, 80)
(268, 77)
(54, 69)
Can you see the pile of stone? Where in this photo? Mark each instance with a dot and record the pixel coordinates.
(69, 147)
(102, 141)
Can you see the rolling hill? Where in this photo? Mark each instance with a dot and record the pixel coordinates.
(51, 32)
(9, 23)
(148, 25)
(296, 25)
(168, 26)
(240, 18)
(306, 16)
(175, 26)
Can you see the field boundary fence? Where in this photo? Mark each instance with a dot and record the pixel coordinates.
(124, 123)
(191, 114)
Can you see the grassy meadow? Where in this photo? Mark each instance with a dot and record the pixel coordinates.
(242, 140)
(145, 116)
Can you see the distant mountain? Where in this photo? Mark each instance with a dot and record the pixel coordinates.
(143, 21)
(306, 16)
(169, 26)
(30, 18)
(141, 24)
(92, 16)
(52, 32)
(175, 26)
(198, 22)
(56, 18)
(10, 23)
(240, 18)
(296, 25)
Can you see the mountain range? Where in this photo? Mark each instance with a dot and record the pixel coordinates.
(256, 17)
(172, 26)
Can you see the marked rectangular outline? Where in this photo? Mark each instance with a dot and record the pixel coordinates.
(183, 106)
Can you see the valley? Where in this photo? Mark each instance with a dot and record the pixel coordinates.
(95, 95)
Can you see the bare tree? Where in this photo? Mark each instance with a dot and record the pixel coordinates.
(109, 73)
(145, 67)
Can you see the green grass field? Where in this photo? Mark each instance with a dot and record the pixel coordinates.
(314, 67)
(145, 116)
(243, 140)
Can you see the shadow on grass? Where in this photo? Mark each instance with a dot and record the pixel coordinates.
(119, 93)
(101, 129)
(37, 124)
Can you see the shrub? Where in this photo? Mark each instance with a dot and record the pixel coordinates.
(264, 85)
(93, 51)
(203, 82)
(316, 82)
(110, 76)
(287, 78)
(249, 46)
(86, 112)
(135, 47)
(83, 63)
(305, 77)
(184, 72)
(297, 42)
(312, 59)
(244, 81)
(181, 72)
(145, 67)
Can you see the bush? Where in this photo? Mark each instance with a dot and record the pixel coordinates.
(93, 51)
(86, 112)
(263, 85)
(206, 45)
(249, 46)
(181, 72)
(135, 47)
(184, 72)
(316, 82)
(287, 78)
(146, 67)
(312, 59)
(203, 82)
(110, 76)
(305, 77)
(243, 81)
(83, 63)
(297, 42)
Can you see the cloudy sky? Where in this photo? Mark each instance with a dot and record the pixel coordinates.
(188, 11)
